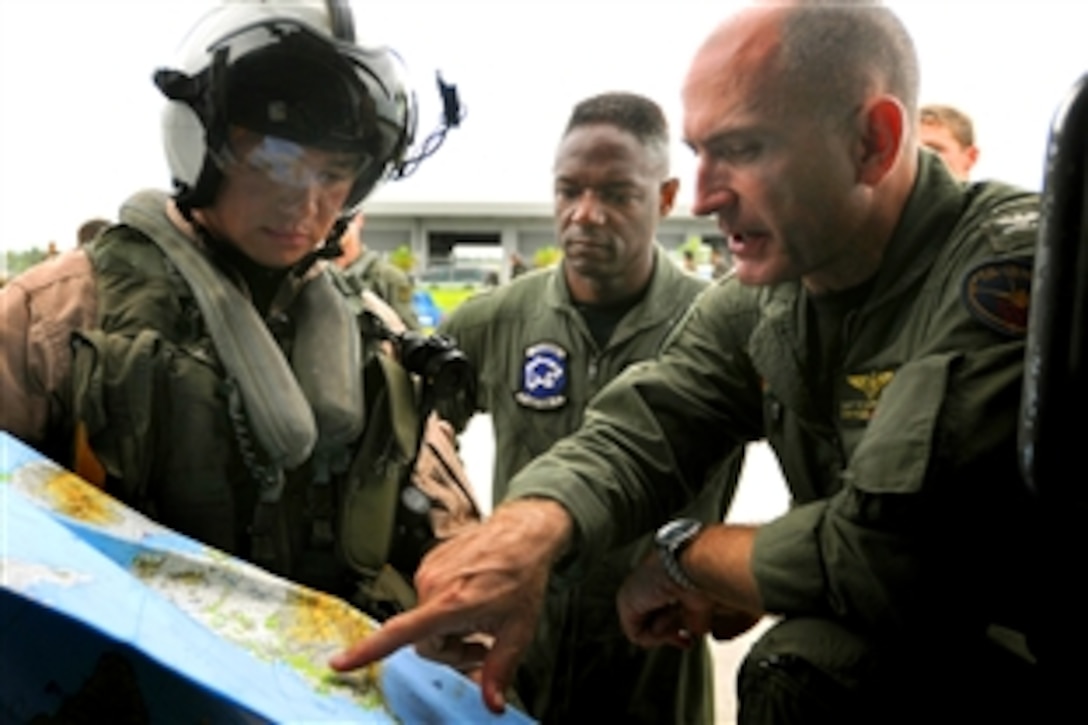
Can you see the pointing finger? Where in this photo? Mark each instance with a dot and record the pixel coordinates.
(401, 630)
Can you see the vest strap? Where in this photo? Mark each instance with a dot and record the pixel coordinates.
(289, 410)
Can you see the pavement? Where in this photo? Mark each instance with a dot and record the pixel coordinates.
(761, 495)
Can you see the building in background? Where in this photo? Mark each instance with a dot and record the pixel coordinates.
(434, 231)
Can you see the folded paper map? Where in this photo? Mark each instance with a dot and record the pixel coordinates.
(106, 616)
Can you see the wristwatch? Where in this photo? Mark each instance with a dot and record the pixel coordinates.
(671, 539)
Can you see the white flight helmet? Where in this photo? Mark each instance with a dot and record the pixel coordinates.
(290, 69)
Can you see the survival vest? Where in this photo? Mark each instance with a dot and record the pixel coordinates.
(243, 438)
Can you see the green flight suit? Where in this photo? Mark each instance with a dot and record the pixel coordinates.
(909, 519)
(538, 367)
(371, 272)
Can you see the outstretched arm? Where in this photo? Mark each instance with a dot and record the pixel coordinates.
(490, 579)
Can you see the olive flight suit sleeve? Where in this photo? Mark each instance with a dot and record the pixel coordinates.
(651, 435)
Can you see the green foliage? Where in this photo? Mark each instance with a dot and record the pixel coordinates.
(693, 243)
(403, 258)
(18, 262)
(546, 257)
(449, 298)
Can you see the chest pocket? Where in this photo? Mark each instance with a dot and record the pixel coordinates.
(893, 454)
(115, 380)
(156, 413)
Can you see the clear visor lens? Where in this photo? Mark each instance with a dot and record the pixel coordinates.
(289, 164)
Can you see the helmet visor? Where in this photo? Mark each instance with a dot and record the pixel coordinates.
(288, 164)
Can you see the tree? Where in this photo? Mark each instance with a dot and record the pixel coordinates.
(403, 258)
(695, 244)
(18, 262)
(546, 257)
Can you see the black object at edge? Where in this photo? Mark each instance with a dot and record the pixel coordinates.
(1054, 393)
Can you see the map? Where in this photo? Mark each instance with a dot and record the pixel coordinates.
(106, 616)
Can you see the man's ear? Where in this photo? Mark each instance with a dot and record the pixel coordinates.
(972, 156)
(669, 189)
(883, 125)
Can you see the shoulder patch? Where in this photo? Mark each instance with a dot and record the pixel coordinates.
(543, 377)
(997, 293)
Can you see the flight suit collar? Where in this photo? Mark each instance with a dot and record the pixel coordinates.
(777, 348)
(651, 311)
(778, 345)
(361, 264)
(931, 212)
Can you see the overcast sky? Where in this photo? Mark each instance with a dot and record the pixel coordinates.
(79, 117)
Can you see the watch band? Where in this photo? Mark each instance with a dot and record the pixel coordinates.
(671, 540)
(675, 571)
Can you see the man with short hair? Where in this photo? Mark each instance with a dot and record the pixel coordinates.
(90, 229)
(689, 262)
(873, 332)
(949, 133)
(544, 345)
(719, 266)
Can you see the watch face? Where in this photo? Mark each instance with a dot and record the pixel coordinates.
(677, 532)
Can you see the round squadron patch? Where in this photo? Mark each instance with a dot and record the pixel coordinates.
(543, 377)
(997, 293)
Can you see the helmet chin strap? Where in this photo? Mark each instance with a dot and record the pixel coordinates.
(331, 249)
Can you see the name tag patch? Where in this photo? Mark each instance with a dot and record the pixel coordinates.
(544, 377)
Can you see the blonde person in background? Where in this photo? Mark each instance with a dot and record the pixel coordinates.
(949, 133)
